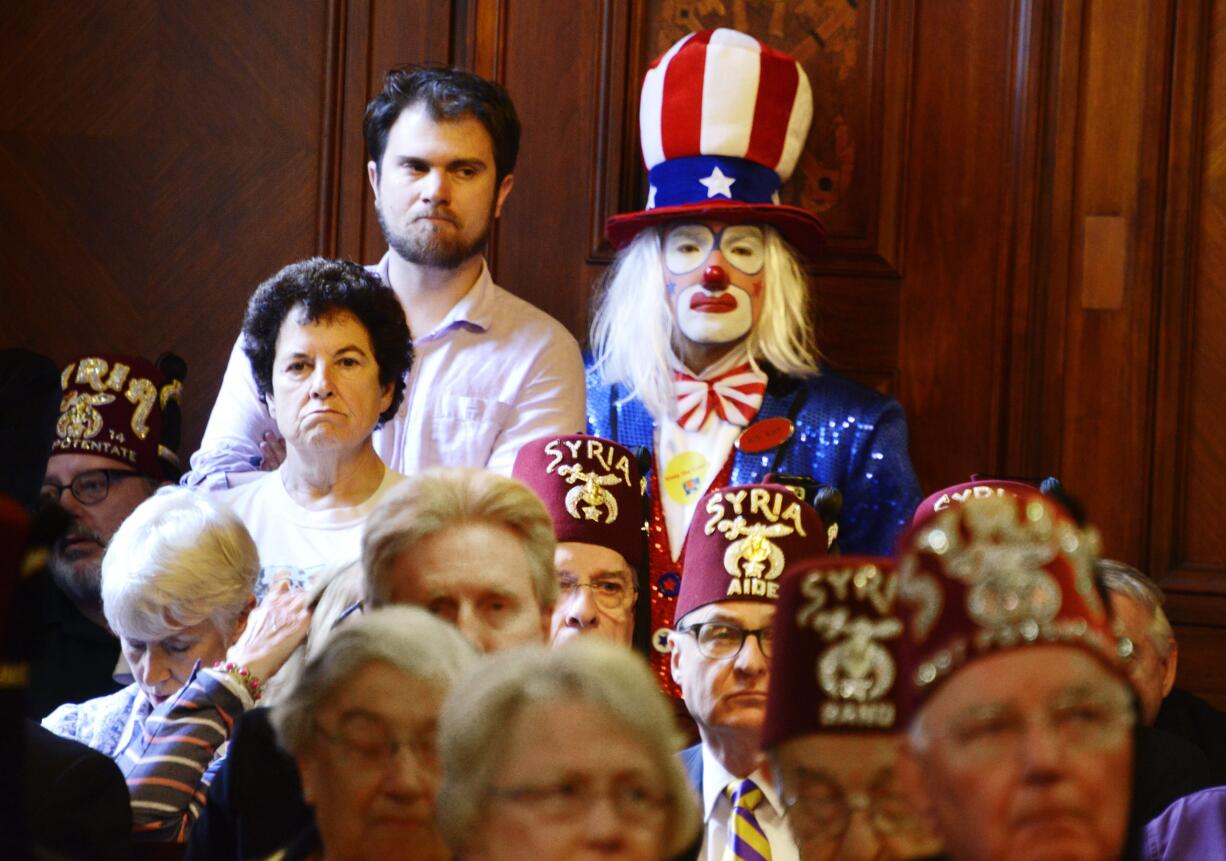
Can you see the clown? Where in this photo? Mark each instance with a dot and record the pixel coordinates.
(702, 338)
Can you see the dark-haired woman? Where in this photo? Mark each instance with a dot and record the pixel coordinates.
(329, 350)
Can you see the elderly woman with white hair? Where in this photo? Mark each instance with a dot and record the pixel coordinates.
(177, 584)
(561, 754)
(361, 722)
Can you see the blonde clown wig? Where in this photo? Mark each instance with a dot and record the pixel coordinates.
(635, 342)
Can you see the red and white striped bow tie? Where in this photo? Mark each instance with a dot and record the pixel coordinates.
(735, 396)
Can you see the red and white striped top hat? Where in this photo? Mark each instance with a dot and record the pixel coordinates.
(722, 122)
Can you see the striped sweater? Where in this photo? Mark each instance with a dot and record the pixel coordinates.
(168, 754)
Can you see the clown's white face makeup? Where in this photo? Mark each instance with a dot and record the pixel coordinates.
(713, 272)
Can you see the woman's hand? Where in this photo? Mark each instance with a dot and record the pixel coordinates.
(274, 629)
(272, 452)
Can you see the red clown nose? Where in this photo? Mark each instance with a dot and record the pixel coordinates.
(715, 278)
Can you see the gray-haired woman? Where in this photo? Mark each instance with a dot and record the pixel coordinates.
(177, 584)
(361, 722)
(558, 754)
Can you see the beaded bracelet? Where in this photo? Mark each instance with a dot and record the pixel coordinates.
(242, 675)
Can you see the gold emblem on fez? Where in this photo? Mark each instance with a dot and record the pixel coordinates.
(589, 498)
(752, 559)
(79, 419)
(1003, 565)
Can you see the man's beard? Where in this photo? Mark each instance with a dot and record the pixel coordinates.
(432, 249)
(81, 581)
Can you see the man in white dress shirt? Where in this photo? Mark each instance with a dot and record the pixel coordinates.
(738, 544)
(491, 370)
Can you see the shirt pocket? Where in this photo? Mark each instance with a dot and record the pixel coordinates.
(465, 429)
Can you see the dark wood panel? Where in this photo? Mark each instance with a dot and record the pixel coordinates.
(545, 235)
(1120, 69)
(1184, 511)
(953, 316)
(157, 160)
(1202, 529)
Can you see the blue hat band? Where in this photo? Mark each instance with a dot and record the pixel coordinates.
(709, 178)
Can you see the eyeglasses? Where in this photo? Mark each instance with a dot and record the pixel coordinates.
(718, 641)
(609, 593)
(88, 488)
(633, 800)
(1080, 722)
(364, 737)
(821, 808)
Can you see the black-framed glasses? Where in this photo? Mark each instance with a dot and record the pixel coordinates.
(633, 799)
(88, 488)
(717, 640)
(609, 593)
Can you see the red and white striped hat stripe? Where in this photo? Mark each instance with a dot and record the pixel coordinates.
(721, 92)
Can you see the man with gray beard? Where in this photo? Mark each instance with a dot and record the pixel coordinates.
(491, 371)
(114, 441)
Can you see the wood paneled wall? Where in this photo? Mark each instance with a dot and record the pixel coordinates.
(1026, 199)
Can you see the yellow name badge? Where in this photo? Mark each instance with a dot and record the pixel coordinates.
(683, 476)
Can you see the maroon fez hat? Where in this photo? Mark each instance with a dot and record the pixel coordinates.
(112, 407)
(740, 541)
(960, 493)
(592, 489)
(996, 573)
(834, 662)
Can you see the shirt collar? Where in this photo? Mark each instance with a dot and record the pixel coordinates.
(475, 310)
(715, 779)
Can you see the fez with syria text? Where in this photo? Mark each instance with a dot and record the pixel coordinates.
(740, 541)
(592, 489)
(834, 666)
(117, 407)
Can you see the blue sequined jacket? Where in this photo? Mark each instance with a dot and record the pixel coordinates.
(846, 435)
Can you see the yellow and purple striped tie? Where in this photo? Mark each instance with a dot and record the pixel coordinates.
(746, 839)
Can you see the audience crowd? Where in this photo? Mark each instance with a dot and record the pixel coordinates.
(408, 604)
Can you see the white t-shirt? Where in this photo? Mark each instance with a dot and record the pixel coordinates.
(296, 540)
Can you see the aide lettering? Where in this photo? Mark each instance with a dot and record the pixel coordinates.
(753, 587)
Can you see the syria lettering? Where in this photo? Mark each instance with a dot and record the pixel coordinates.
(865, 582)
(609, 458)
(773, 505)
(979, 491)
(80, 419)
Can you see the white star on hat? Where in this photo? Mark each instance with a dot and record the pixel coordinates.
(717, 183)
(651, 198)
